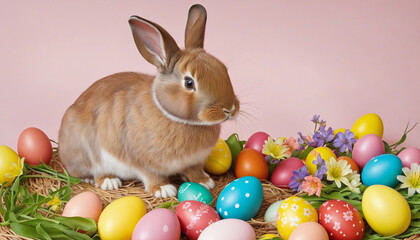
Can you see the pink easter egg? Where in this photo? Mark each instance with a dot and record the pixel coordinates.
(231, 228)
(159, 223)
(284, 171)
(366, 148)
(256, 141)
(309, 230)
(409, 156)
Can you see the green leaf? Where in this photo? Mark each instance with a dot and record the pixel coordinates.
(25, 231)
(168, 205)
(86, 224)
(305, 153)
(235, 147)
(42, 232)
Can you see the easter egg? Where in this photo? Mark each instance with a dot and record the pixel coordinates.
(194, 191)
(119, 218)
(410, 155)
(85, 204)
(309, 230)
(251, 163)
(341, 220)
(194, 217)
(366, 148)
(268, 236)
(10, 165)
(34, 145)
(159, 224)
(272, 212)
(256, 141)
(386, 210)
(284, 171)
(240, 199)
(232, 229)
(292, 212)
(219, 160)
(368, 124)
(342, 130)
(325, 153)
(383, 170)
(350, 162)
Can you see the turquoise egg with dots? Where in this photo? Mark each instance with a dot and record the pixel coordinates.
(240, 199)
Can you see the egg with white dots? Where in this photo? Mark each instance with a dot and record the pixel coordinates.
(240, 199)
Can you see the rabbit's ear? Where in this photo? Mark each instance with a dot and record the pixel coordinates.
(196, 24)
(153, 42)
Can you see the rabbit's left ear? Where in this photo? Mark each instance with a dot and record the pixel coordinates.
(196, 24)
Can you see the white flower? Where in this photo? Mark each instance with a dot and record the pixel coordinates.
(295, 207)
(354, 182)
(336, 226)
(307, 212)
(284, 221)
(338, 171)
(284, 205)
(348, 216)
(294, 222)
(411, 180)
(327, 218)
(186, 205)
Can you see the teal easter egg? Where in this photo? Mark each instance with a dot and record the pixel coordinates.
(194, 191)
(382, 170)
(240, 199)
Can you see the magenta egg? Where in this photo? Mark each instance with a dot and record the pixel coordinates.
(284, 171)
(256, 141)
(159, 223)
(366, 148)
(409, 156)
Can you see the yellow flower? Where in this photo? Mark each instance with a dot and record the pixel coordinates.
(54, 203)
(15, 170)
(338, 171)
(276, 149)
(411, 180)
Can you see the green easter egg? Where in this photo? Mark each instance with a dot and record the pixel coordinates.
(194, 191)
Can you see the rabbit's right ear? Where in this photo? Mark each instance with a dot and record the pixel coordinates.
(154, 43)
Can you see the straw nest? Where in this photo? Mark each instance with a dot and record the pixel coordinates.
(271, 194)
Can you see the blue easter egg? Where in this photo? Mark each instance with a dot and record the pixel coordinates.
(382, 170)
(240, 199)
(194, 191)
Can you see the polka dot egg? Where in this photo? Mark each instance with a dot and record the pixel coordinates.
(219, 160)
(240, 199)
(292, 212)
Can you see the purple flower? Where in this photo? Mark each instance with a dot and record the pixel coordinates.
(297, 178)
(270, 160)
(323, 136)
(321, 167)
(343, 141)
(303, 142)
(315, 118)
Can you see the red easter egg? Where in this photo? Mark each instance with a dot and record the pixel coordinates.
(194, 217)
(256, 141)
(284, 171)
(34, 145)
(341, 220)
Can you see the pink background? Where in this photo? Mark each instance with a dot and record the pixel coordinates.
(288, 60)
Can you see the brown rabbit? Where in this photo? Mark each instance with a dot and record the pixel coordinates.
(135, 126)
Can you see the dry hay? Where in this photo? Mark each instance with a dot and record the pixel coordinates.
(271, 194)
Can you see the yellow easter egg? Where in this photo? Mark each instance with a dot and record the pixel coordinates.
(325, 153)
(268, 237)
(10, 165)
(368, 124)
(219, 160)
(292, 212)
(386, 210)
(342, 130)
(119, 218)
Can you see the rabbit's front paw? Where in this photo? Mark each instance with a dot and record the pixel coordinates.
(209, 184)
(165, 191)
(109, 183)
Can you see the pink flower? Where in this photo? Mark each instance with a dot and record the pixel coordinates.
(292, 143)
(348, 215)
(312, 185)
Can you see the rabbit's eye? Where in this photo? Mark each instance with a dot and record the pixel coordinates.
(189, 83)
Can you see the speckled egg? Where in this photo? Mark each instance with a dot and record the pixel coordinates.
(240, 199)
(194, 191)
(293, 212)
(194, 217)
